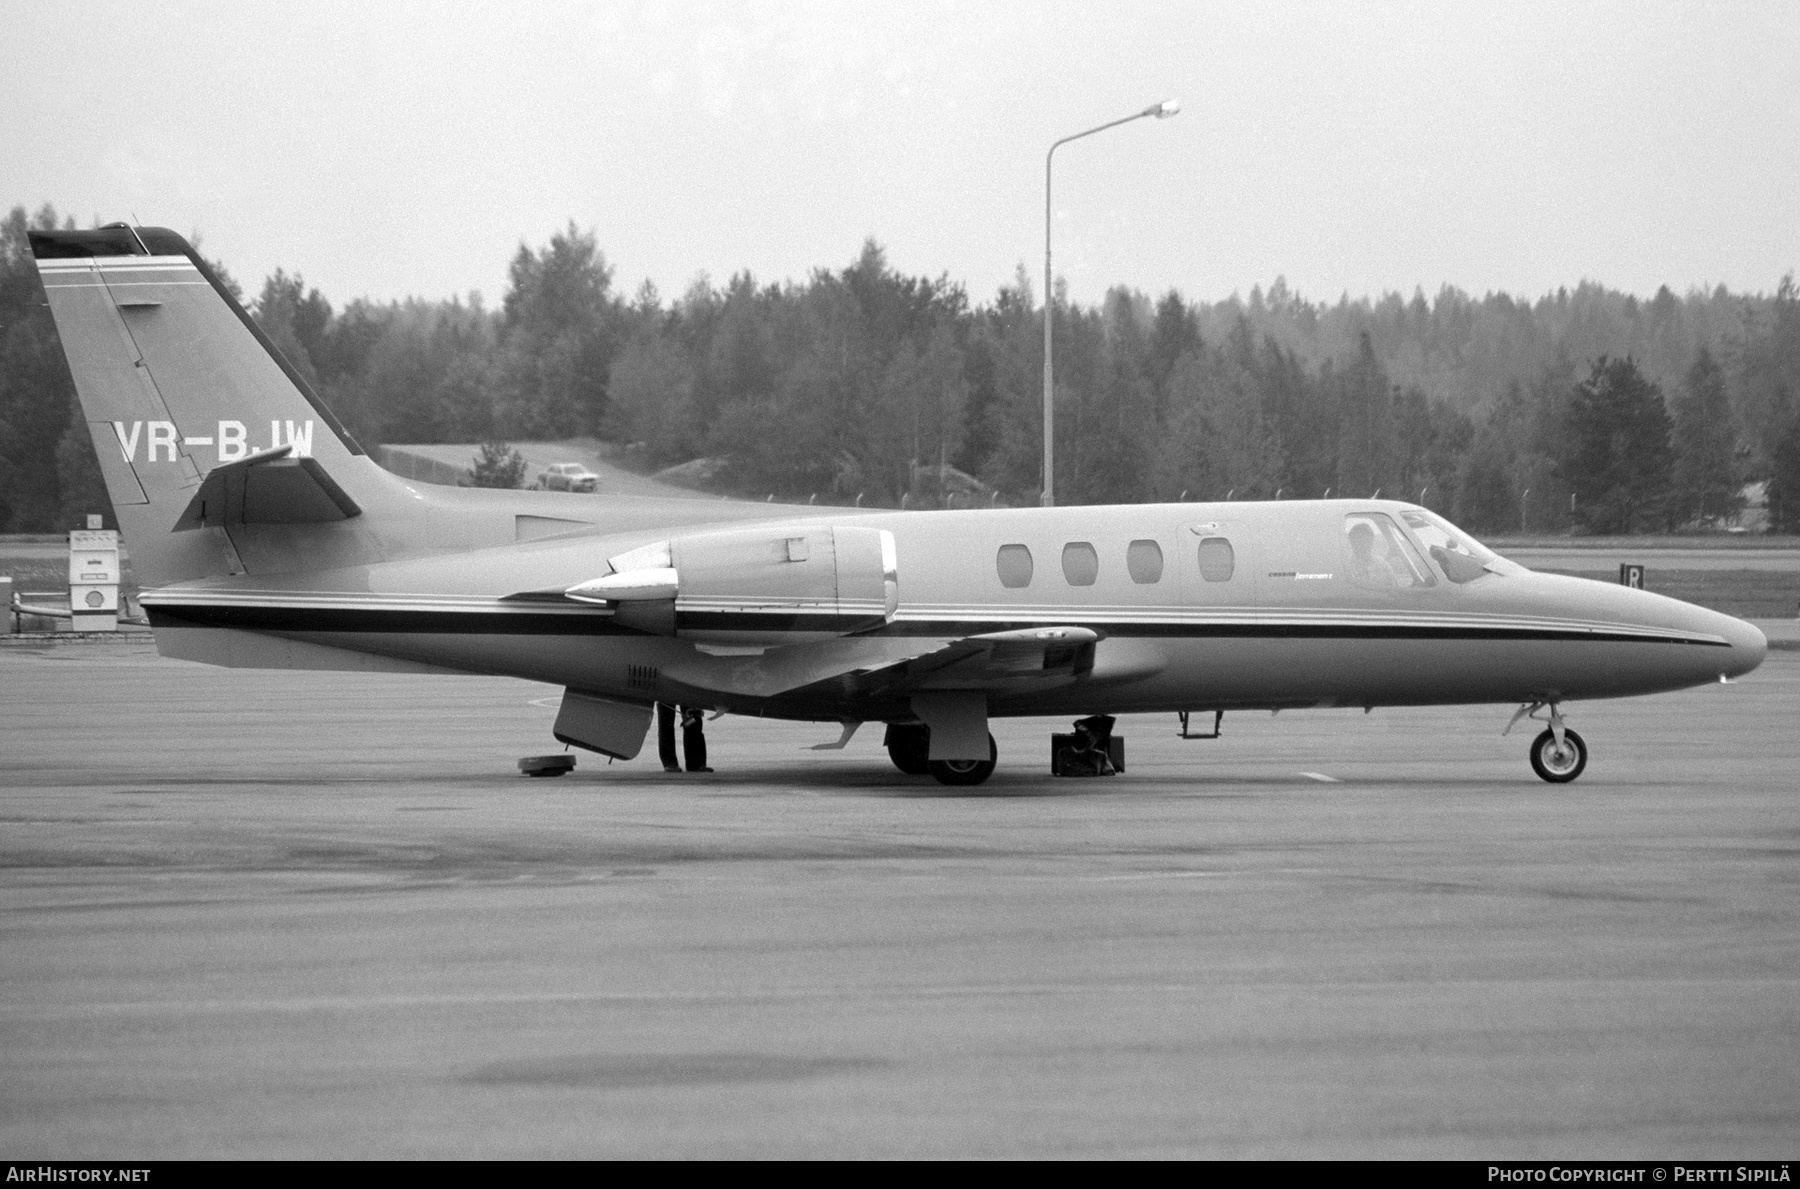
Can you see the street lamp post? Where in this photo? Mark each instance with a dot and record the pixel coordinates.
(1161, 111)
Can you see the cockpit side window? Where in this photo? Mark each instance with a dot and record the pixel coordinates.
(1461, 559)
(1380, 555)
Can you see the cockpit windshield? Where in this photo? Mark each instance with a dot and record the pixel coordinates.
(1461, 558)
(1380, 555)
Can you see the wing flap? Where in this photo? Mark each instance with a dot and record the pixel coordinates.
(1026, 654)
(861, 666)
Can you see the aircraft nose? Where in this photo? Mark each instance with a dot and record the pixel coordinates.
(1748, 646)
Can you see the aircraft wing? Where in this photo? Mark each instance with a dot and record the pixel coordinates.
(1032, 655)
(859, 667)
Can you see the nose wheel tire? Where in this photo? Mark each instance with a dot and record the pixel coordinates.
(965, 772)
(1558, 765)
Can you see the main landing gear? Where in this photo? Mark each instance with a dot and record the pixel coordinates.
(909, 746)
(1090, 750)
(1558, 754)
(965, 772)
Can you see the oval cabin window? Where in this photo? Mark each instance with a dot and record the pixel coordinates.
(1081, 565)
(1143, 561)
(1216, 559)
(1014, 564)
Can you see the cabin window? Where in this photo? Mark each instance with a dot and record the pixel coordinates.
(1081, 565)
(1380, 555)
(1143, 561)
(1216, 559)
(1014, 564)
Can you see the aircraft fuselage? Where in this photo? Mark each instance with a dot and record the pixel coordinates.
(1285, 625)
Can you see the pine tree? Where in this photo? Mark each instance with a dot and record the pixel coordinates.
(1784, 469)
(1706, 486)
(498, 465)
(1617, 458)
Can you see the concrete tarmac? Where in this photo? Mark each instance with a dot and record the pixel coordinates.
(248, 914)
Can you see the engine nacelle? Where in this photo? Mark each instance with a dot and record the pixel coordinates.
(776, 585)
(755, 587)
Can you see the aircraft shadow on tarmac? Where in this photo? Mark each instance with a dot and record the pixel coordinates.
(880, 782)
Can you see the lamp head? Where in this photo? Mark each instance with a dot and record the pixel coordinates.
(1165, 109)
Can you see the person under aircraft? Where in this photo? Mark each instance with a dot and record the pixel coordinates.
(665, 737)
(693, 738)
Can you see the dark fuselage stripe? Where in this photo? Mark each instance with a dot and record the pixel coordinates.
(358, 620)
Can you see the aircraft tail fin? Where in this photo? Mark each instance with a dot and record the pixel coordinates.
(197, 419)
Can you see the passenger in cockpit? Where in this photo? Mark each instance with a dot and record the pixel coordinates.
(1364, 567)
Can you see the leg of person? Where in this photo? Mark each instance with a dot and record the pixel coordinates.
(665, 737)
(693, 738)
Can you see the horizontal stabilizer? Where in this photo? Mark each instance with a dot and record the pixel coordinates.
(268, 488)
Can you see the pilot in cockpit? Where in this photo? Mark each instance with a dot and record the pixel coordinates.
(1375, 558)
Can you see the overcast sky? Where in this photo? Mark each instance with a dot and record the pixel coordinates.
(390, 149)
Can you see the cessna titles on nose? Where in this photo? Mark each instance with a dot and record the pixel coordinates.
(160, 438)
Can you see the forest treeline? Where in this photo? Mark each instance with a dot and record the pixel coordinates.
(1586, 410)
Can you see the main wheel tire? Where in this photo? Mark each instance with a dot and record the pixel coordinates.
(1558, 765)
(909, 746)
(966, 772)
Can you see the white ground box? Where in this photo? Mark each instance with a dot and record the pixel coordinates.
(94, 580)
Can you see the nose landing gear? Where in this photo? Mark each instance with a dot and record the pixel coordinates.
(1558, 760)
(1558, 755)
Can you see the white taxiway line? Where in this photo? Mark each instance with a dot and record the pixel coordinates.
(1321, 778)
(1155, 875)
